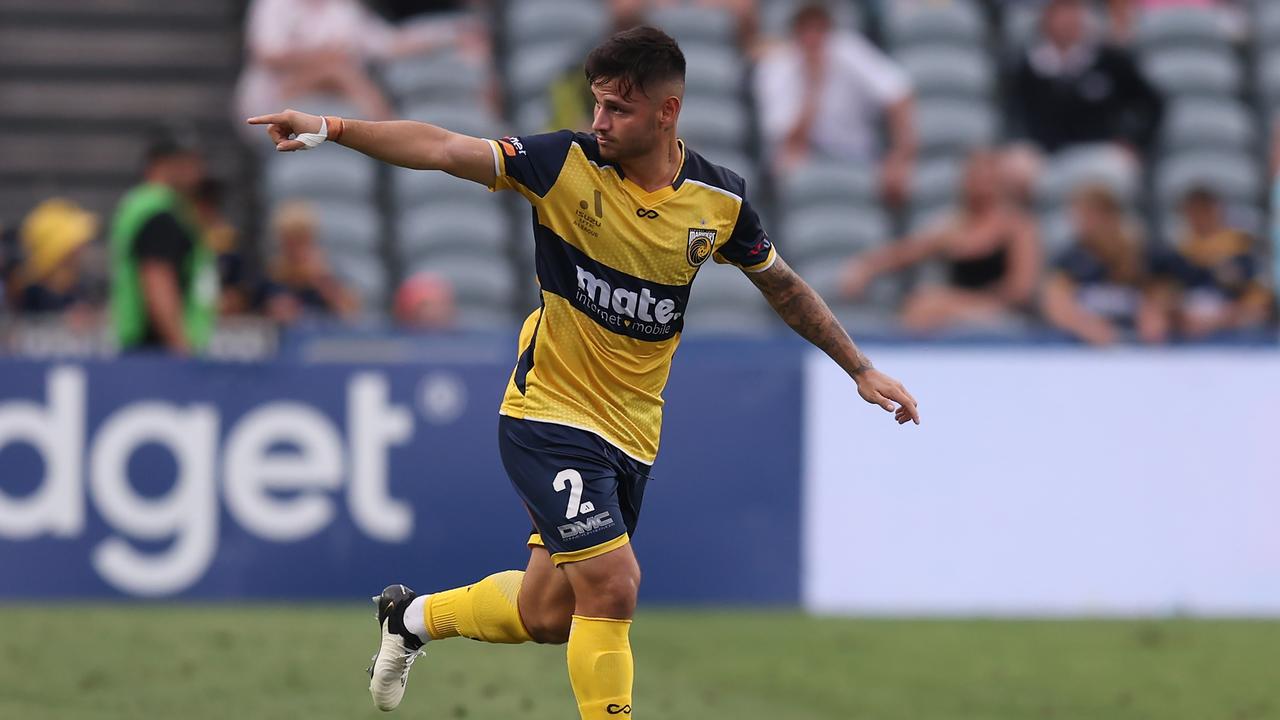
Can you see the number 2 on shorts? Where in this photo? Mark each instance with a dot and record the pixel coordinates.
(574, 480)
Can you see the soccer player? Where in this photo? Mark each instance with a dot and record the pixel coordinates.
(623, 219)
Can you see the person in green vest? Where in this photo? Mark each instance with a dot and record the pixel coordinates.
(164, 281)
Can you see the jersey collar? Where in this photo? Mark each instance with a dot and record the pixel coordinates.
(664, 192)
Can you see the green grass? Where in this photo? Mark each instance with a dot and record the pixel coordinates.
(243, 663)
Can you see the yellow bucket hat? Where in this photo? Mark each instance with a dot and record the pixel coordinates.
(52, 231)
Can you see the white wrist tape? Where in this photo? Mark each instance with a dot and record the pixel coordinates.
(313, 140)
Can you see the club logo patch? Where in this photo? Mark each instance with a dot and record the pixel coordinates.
(701, 241)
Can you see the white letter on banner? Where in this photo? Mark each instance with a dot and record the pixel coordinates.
(188, 513)
(57, 434)
(373, 425)
(252, 471)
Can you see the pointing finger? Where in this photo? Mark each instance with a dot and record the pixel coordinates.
(266, 119)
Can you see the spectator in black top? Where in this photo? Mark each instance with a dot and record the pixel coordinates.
(224, 240)
(301, 284)
(1070, 88)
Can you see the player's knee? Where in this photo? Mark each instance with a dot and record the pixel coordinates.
(549, 628)
(615, 595)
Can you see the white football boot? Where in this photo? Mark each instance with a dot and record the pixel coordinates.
(397, 648)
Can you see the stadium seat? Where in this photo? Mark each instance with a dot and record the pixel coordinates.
(556, 22)
(824, 275)
(723, 286)
(531, 70)
(1073, 168)
(948, 71)
(1221, 123)
(1236, 176)
(957, 22)
(1268, 74)
(936, 181)
(924, 215)
(1183, 27)
(477, 281)
(696, 24)
(365, 273)
(413, 189)
(727, 320)
(325, 172)
(775, 16)
(1057, 232)
(533, 116)
(821, 183)
(948, 125)
(472, 316)
(1196, 71)
(475, 120)
(347, 226)
(713, 71)
(1266, 22)
(821, 231)
(738, 162)
(439, 76)
(454, 228)
(719, 122)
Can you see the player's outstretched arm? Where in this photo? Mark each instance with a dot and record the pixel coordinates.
(400, 142)
(804, 310)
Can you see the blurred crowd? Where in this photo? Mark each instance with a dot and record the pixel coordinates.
(824, 91)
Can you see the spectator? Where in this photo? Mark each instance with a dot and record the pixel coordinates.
(301, 283)
(223, 239)
(53, 237)
(299, 47)
(164, 283)
(1098, 288)
(425, 302)
(1212, 281)
(1069, 88)
(1125, 14)
(570, 98)
(991, 249)
(824, 94)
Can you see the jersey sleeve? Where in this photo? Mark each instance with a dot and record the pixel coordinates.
(530, 164)
(748, 245)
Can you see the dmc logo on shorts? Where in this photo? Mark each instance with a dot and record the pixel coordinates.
(616, 709)
(585, 527)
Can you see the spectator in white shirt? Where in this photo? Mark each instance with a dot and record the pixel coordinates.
(300, 47)
(823, 95)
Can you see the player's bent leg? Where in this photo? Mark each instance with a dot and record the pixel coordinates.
(601, 669)
(486, 610)
(398, 647)
(546, 599)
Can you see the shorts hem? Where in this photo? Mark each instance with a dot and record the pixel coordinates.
(591, 552)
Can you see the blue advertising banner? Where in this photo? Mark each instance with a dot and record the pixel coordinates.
(161, 478)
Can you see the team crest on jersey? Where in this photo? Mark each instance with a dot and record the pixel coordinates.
(701, 241)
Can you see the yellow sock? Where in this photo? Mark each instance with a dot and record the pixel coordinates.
(600, 667)
(485, 611)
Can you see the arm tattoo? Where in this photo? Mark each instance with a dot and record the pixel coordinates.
(804, 310)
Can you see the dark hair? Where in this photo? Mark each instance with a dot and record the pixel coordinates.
(636, 58)
(170, 141)
(811, 12)
(1200, 194)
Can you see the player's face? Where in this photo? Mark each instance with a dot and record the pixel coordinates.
(626, 127)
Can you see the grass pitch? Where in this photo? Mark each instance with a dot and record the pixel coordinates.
(188, 662)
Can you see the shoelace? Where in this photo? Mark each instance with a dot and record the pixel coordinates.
(409, 657)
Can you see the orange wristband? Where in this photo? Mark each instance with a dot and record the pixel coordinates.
(336, 126)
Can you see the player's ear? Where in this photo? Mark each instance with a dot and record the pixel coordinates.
(670, 111)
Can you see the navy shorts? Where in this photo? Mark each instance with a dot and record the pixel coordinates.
(582, 493)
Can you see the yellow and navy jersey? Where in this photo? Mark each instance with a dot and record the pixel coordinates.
(1222, 263)
(615, 264)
